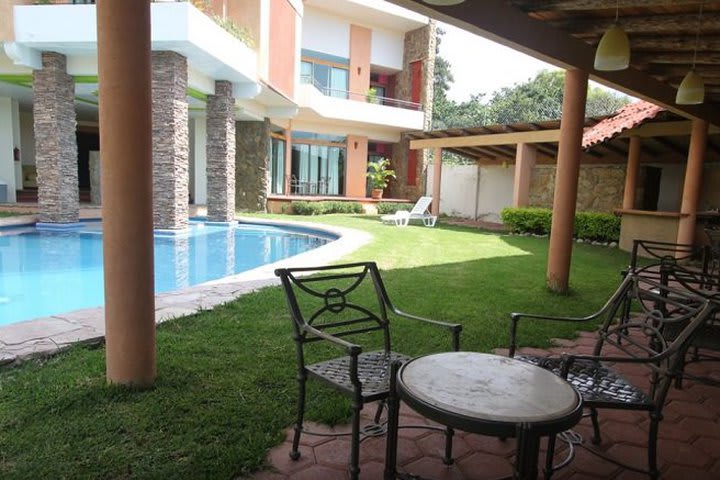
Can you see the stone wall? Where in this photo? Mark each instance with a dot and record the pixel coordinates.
(600, 187)
(252, 157)
(55, 142)
(170, 140)
(221, 154)
(419, 46)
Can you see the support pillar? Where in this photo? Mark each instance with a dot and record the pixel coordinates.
(693, 182)
(170, 140)
(55, 141)
(252, 164)
(525, 158)
(123, 30)
(566, 180)
(437, 179)
(221, 153)
(631, 173)
(288, 158)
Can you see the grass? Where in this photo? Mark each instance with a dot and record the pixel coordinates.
(225, 388)
(11, 213)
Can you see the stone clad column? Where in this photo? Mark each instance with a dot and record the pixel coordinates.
(566, 180)
(55, 141)
(221, 154)
(170, 141)
(252, 159)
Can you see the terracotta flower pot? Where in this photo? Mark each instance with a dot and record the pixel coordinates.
(376, 193)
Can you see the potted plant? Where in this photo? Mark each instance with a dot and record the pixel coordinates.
(379, 174)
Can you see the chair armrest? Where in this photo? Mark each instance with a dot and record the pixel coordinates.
(352, 349)
(516, 317)
(455, 328)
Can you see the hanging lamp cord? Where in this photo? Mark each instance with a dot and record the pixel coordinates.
(697, 35)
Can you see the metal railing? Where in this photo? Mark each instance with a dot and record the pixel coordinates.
(366, 97)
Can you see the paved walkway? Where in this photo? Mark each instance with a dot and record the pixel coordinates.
(48, 335)
(689, 442)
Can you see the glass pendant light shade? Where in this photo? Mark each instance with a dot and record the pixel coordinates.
(613, 51)
(443, 2)
(691, 90)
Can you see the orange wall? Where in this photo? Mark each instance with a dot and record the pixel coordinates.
(360, 40)
(355, 179)
(244, 13)
(7, 28)
(282, 47)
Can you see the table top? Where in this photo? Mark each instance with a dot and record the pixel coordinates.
(488, 388)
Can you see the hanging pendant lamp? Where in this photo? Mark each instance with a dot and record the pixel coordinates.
(692, 88)
(613, 51)
(443, 3)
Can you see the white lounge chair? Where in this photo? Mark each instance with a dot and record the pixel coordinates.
(419, 212)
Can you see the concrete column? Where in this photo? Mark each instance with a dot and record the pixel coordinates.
(9, 131)
(221, 153)
(170, 140)
(55, 141)
(123, 30)
(357, 154)
(288, 157)
(566, 180)
(525, 158)
(631, 174)
(252, 164)
(437, 179)
(693, 182)
(200, 159)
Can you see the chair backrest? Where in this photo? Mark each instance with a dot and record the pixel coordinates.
(338, 300)
(663, 251)
(421, 206)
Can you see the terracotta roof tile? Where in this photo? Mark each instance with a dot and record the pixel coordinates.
(629, 116)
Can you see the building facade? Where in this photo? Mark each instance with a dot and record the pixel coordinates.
(253, 101)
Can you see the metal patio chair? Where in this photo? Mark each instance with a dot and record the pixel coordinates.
(663, 323)
(330, 305)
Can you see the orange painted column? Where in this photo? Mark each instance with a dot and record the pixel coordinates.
(355, 176)
(437, 178)
(288, 157)
(566, 180)
(525, 158)
(359, 81)
(631, 173)
(126, 182)
(693, 182)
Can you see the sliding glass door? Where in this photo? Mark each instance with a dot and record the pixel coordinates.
(318, 169)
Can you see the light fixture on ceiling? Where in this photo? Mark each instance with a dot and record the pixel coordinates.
(443, 3)
(692, 88)
(613, 51)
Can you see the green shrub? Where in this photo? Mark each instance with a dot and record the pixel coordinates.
(527, 220)
(387, 207)
(322, 208)
(602, 227)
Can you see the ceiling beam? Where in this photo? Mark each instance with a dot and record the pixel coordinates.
(686, 23)
(578, 5)
(502, 23)
(491, 139)
(664, 129)
(674, 43)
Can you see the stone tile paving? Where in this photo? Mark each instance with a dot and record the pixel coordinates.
(48, 335)
(689, 442)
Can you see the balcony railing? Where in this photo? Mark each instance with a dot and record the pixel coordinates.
(366, 97)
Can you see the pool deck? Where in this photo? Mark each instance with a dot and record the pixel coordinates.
(45, 336)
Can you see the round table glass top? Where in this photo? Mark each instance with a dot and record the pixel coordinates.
(488, 387)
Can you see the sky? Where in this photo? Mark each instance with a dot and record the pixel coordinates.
(481, 66)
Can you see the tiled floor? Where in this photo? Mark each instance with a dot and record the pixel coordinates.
(689, 443)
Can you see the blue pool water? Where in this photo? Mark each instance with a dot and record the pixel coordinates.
(45, 273)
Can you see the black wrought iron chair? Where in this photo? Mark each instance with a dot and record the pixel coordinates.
(642, 339)
(333, 303)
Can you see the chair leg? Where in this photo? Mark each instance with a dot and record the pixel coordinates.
(379, 412)
(596, 439)
(355, 442)
(652, 445)
(295, 452)
(448, 460)
(550, 457)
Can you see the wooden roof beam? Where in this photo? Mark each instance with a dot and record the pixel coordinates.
(498, 21)
(490, 139)
(681, 24)
(579, 5)
(663, 129)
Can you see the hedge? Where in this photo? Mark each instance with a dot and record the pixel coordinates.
(601, 227)
(322, 208)
(386, 207)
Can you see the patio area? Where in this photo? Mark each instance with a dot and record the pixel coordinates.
(689, 440)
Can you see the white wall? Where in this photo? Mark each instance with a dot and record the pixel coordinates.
(387, 49)
(27, 138)
(474, 192)
(325, 33)
(671, 187)
(7, 126)
(198, 159)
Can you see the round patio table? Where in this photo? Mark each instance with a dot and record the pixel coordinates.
(488, 395)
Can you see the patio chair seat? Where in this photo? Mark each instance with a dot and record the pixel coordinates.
(597, 383)
(336, 373)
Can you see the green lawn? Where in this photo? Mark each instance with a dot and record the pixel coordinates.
(225, 388)
(4, 214)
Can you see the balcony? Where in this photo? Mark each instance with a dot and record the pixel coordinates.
(318, 103)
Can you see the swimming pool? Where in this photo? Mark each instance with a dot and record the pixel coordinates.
(46, 273)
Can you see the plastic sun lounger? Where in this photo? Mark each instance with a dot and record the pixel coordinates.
(419, 212)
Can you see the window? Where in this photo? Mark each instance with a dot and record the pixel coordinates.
(331, 80)
(318, 169)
